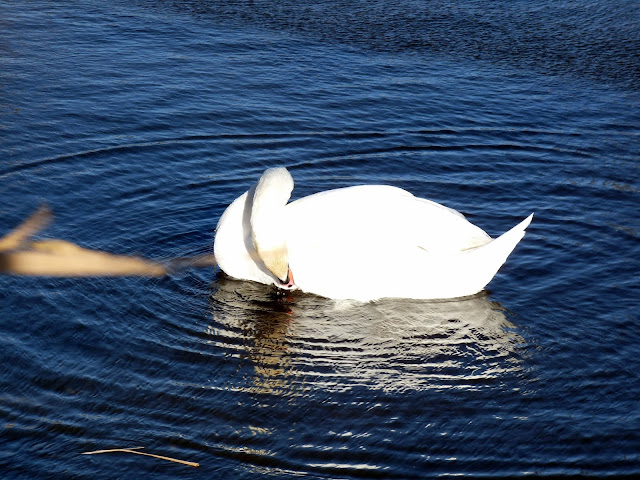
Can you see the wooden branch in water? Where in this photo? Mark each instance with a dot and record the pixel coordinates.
(32, 225)
(136, 451)
(60, 258)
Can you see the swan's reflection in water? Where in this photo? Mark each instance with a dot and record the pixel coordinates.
(296, 342)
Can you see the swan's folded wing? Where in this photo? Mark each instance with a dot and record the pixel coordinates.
(374, 217)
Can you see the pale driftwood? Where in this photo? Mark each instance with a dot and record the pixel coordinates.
(59, 258)
(19, 255)
(32, 225)
(135, 451)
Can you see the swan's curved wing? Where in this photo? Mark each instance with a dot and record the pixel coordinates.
(380, 215)
(373, 241)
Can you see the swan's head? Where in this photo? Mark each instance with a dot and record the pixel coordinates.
(268, 222)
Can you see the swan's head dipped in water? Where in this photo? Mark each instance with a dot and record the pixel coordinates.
(269, 224)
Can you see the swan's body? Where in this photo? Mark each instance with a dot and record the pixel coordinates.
(361, 243)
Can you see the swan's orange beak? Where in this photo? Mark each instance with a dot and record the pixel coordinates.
(289, 282)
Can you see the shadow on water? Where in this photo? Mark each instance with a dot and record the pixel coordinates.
(294, 342)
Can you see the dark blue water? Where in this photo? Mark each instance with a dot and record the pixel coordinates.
(138, 122)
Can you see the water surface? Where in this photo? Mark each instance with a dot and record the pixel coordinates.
(139, 122)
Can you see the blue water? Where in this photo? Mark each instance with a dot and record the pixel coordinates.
(138, 122)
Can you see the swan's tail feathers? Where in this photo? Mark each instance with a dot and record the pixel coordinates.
(491, 256)
(506, 242)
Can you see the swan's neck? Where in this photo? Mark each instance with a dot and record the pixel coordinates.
(268, 222)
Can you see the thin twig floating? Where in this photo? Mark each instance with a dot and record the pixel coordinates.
(135, 450)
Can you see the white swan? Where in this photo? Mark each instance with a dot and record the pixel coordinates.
(360, 243)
